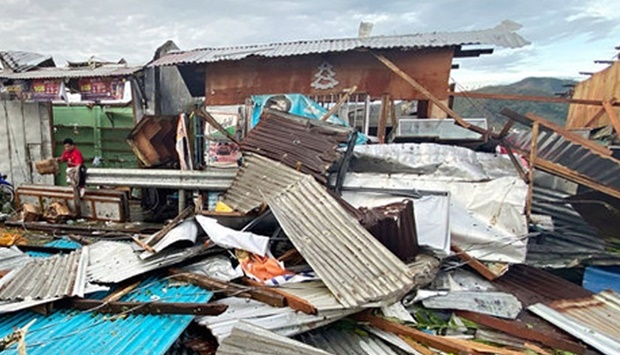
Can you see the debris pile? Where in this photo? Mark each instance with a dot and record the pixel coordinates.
(345, 248)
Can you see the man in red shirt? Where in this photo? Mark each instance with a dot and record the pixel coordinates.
(71, 155)
(76, 171)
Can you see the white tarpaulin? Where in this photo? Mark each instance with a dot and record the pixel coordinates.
(230, 238)
(487, 201)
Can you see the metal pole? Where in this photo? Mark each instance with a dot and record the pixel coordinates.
(367, 115)
(181, 200)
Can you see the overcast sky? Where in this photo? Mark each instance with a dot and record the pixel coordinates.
(566, 35)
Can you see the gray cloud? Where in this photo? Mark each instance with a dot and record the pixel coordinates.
(132, 29)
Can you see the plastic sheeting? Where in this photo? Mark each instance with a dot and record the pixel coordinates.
(230, 238)
(487, 196)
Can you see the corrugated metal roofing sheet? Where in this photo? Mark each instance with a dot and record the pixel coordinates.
(65, 72)
(599, 312)
(531, 285)
(71, 332)
(247, 338)
(48, 278)
(595, 339)
(257, 179)
(19, 61)
(502, 35)
(12, 257)
(555, 148)
(112, 262)
(283, 321)
(309, 145)
(346, 342)
(351, 262)
(572, 242)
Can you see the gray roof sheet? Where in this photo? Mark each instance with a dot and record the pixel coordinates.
(19, 61)
(354, 265)
(67, 72)
(502, 35)
(49, 278)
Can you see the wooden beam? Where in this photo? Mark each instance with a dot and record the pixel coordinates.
(556, 169)
(474, 263)
(340, 102)
(292, 301)
(383, 117)
(417, 346)
(116, 295)
(521, 330)
(437, 342)
(419, 87)
(530, 118)
(613, 118)
(530, 173)
(597, 115)
(199, 309)
(229, 288)
(559, 100)
(514, 161)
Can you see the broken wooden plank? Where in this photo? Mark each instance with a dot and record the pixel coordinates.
(530, 175)
(434, 341)
(417, 346)
(292, 301)
(230, 289)
(514, 161)
(340, 102)
(522, 331)
(199, 309)
(383, 117)
(168, 227)
(475, 263)
(118, 294)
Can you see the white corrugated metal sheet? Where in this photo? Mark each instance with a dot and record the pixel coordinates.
(356, 268)
(113, 262)
(502, 35)
(283, 321)
(247, 338)
(257, 179)
(12, 257)
(347, 342)
(19, 61)
(48, 278)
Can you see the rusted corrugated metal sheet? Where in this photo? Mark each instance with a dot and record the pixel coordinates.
(257, 179)
(394, 226)
(66, 72)
(599, 312)
(355, 267)
(531, 285)
(48, 278)
(307, 145)
(502, 35)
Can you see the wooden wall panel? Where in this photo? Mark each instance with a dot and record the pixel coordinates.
(232, 82)
(603, 85)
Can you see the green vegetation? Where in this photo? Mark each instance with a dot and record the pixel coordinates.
(529, 86)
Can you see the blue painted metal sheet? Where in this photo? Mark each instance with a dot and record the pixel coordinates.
(76, 332)
(598, 279)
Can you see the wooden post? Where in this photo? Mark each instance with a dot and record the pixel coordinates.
(530, 186)
(385, 112)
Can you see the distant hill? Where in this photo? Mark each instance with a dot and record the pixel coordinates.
(529, 86)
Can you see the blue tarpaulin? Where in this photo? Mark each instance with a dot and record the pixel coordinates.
(598, 278)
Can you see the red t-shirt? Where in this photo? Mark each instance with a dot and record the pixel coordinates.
(73, 158)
